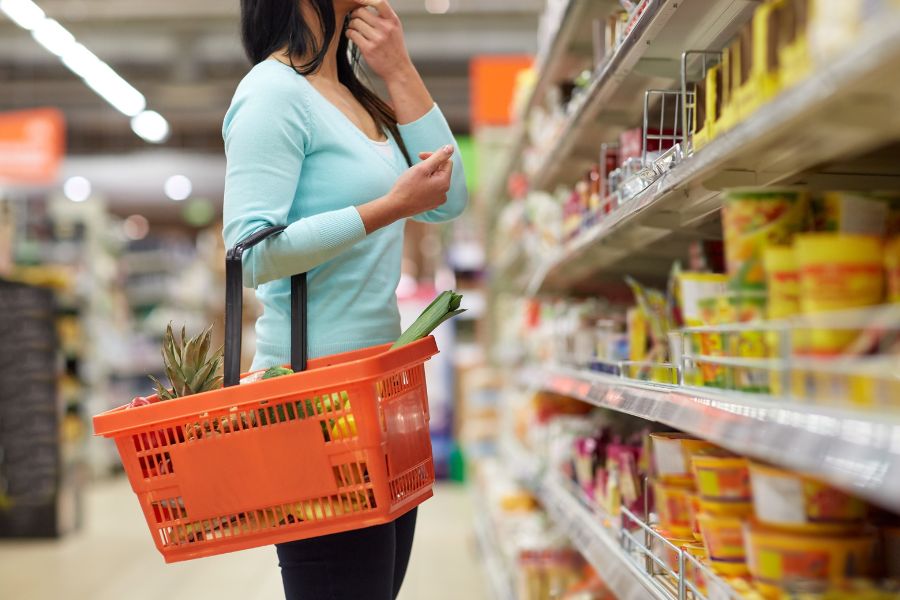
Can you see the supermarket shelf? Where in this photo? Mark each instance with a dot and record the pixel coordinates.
(495, 567)
(575, 23)
(647, 58)
(856, 451)
(597, 542)
(523, 465)
(779, 144)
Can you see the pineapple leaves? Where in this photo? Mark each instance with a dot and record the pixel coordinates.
(190, 367)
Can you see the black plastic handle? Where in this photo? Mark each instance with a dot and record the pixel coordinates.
(234, 309)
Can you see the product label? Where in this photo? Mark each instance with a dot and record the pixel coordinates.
(778, 499)
(725, 484)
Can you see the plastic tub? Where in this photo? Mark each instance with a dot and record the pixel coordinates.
(726, 509)
(695, 510)
(673, 505)
(778, 558)
(692, 573)
(792, 501)
(722, 478)
(672, 452)
(752, 219)
(837, 272)
(723, 538)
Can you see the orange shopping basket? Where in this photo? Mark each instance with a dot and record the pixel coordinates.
(339, 446)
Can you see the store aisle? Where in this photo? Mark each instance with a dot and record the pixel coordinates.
(113, 559)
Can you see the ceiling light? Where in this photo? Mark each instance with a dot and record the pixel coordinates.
(178, 188)
(151, 126)
(25, 13)
(136, 227)
(53, 36)
(98, 75)
(77, 189)
(437, 7)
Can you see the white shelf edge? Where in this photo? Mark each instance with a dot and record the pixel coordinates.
(879, 45)
(853, 450)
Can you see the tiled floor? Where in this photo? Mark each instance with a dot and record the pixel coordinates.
(114, 559)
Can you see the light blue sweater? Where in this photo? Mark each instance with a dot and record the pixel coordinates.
(295, 159)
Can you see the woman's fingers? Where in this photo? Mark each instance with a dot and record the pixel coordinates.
(368, 32)
(383, 8)
(366, 15)
(358, 39)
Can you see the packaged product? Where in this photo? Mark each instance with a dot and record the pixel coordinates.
(693, 288)
(712, 345)
(779, 560)
(793, 501)
(892, 268)
(722, 478)
(849, 212)
(752, 219)
(665, 551)
(673, 506)
(691, 572)
(782, 282)
(724, 541)
(837, 272)
(748, 307)
(638, 338)
(672, 452)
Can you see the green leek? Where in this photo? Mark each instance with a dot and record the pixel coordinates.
(444, 307)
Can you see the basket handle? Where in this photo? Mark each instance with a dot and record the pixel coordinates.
(234, 309)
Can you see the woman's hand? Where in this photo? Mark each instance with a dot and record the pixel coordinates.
(421, 188)
(379, 36)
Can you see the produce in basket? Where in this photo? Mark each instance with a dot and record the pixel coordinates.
(444, 307)
(190, 366)
(274, 372)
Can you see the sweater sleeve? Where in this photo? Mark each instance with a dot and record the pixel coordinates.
(427, 134)
(267, 133)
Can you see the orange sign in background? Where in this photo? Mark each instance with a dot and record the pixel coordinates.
(32, 145)
(493, 84)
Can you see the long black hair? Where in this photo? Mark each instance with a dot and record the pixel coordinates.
(268, 26)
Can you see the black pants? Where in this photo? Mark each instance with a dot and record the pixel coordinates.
(366, 564)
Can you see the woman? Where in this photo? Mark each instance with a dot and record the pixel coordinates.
(309, 146)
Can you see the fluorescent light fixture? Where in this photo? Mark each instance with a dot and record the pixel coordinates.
(53, 36)
(178, 188)
(99, 76)
(151, 126)
(77, 189)
(25, 13)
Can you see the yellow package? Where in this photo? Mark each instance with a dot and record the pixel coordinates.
(752, 219)
(837, 272)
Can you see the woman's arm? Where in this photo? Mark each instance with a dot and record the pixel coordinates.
(267, 133)
(423, 127)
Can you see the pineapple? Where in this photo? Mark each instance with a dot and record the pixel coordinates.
(190, 366)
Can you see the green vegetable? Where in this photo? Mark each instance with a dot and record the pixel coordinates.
(444, 307)
(277, 372)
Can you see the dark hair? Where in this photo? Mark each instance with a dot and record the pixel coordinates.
(268, 26)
